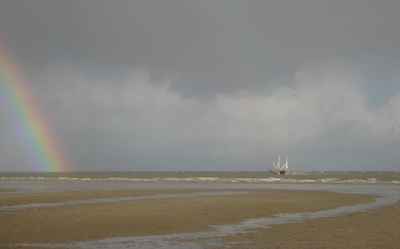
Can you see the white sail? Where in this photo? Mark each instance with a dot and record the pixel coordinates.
(280, 169)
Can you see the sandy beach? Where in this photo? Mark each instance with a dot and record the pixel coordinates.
(186, 212)
(368, 230)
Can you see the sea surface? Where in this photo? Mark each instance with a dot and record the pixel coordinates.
(385, 185)
(350, 177)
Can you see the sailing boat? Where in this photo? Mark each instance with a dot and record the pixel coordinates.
(281, 169)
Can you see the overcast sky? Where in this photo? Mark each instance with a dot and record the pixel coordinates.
(210, 85)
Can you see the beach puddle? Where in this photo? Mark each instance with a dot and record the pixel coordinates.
(211, 238)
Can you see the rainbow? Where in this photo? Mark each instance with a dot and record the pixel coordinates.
(28, 118)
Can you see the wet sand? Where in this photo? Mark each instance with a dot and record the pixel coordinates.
(378, 228)
(144, 217)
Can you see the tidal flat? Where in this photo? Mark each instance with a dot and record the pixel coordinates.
(48, 213)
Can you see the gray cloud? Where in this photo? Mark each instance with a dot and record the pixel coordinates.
(214, 46)
(138, 124)
(227, 85)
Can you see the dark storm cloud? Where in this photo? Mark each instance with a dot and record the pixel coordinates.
(213, 45)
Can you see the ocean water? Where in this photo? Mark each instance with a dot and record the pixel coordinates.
(385, 185)
(352, 177)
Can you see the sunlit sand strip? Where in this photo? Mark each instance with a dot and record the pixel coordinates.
(116, 199)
